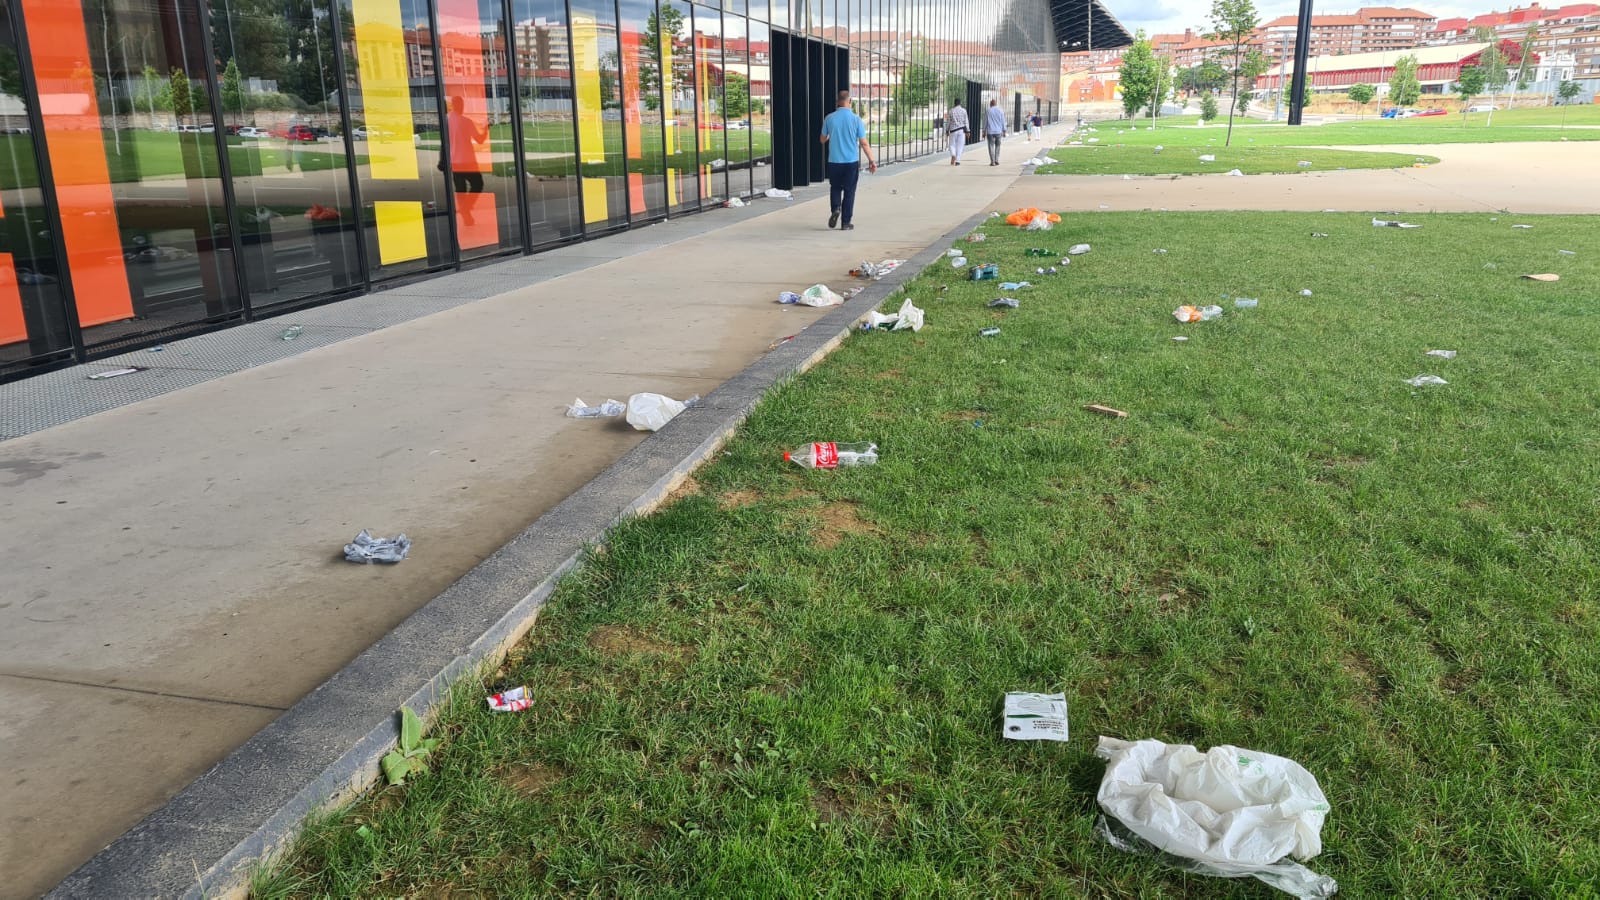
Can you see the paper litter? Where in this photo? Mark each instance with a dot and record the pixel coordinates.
(1236, 173)
(1385, 223)
(1421, 380)
(1546, 276)
(1228, 812)
(1207, 157)
(1014, 285)
(1522, 226)
(1078, 250)
(514, 700)
(607, 410)
(1034, 717)
(1442, 354)
(368, 549)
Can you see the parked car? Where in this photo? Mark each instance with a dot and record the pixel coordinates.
(1483, 107)
(1431, 112)
(739, 126)
(251, 132)
(300, 133)
(362, 132)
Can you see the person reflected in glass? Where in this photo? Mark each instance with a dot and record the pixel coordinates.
(845, 136)
(466, 136)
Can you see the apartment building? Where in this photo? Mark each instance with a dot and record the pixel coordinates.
(1370, 29)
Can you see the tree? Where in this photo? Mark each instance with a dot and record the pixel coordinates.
(1469, 84)
(1362, 93)
(735, 96)
(1208, 107)
(1524, 77)
(1567, 92)
(662, 30)
(1234, 22)
(1288, 92)
(233, 94)
(918, 87)
(1493, 64)
(1404, 88)
(182, 98)
(1138, 76)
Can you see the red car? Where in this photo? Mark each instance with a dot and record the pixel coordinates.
(300, 133)
(1431, 112)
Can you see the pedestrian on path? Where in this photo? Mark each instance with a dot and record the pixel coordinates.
(845, 136)
(994, 128)
(955, 124)
(1034, 124)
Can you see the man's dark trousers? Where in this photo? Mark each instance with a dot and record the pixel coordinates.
(842, 178)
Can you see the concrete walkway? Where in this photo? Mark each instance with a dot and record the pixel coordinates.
(173, 578)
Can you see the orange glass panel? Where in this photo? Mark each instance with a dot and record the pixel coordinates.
(477, 221)
(461, 39)
(13, 327)
(76, 149)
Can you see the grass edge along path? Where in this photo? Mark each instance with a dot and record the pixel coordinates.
(1123, 160)
(788, 682)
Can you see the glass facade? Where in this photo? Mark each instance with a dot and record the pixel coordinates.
(172, 166)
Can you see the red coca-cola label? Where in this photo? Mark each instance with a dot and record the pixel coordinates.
(825, 455)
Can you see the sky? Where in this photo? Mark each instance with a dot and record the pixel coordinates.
(1172, 16)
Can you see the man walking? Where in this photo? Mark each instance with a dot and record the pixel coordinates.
(1034, 124)
(994, 128)
(955, 124)
(845, 136)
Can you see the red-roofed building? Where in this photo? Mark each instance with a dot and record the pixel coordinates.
(1370, 29)
(1437, 68)
(1570, 30)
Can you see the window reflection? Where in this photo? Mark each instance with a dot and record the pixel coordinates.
(473, 45)
(641, 107)
(678, 66)
(736, 103)
(760, 56)
(279, 91)
(544, 83)
(708, 94)
(601, 165)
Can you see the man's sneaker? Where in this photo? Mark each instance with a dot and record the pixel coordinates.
(833, 220)
(848, 226)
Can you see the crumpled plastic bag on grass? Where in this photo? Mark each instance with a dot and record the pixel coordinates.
(1027, 215)
(819, 295)
(1227, 812)
(909, 317)
(648, 412)
(1040, 222)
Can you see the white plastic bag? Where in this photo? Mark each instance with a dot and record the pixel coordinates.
(607, 410)
(1078, 250)
(648, 412)
(1040, 222)
(1208, 157)
(1229, 812)
(820, 295)
(780, 194)
(909, 317)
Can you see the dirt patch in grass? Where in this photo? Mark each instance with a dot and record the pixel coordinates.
(617, 640)
(890, 375)
(736, 499)
(530, 779)
(828, 805)
(1372, 685)
(965, 415)
(688, 487)
(1458, 681)
(838, 520)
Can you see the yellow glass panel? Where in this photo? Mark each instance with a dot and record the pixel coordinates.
(586, 75)
(672, 184)
(385, 89)
(400, 234)
(594, 200)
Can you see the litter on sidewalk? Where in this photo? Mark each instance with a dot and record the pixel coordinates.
(648, 412)
(1392, 223)
(819, 295)
(515, 700)
(780, 194)
(114, 373)
(876, 270)
(1236, 173)
(607, 410)
(734, 203)
(1228, 812)
(368, 549)
(1421, 380)
(1034, 717)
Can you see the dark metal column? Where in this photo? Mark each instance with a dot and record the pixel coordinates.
(1302, 46)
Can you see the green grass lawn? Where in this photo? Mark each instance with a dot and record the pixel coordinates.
(788, 682)
(1508, 126)
(1100, 159)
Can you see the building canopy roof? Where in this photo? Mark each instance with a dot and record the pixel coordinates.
(1383, 59)
(1087, 25)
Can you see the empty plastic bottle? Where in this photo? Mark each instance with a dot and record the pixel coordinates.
(831, 455)
(290, 333)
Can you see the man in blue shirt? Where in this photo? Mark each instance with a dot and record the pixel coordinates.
(846, 139)
(994, 128)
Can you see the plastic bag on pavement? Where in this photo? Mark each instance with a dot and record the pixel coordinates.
(607, 410)
(820, 295)
(780, 194)
(368, 549)
(1227, 812)
(648, 412)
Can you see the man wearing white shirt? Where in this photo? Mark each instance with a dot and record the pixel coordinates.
(955, 125)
